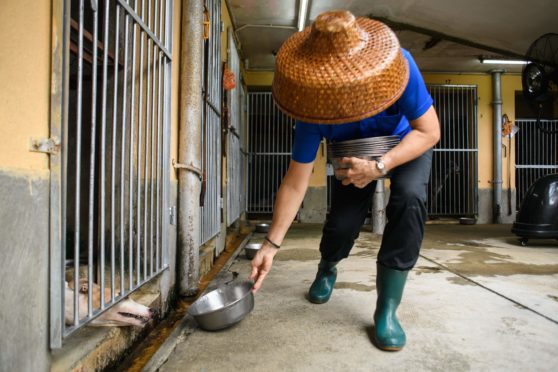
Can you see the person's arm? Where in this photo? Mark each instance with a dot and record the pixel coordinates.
(289, 198)
(425, 134)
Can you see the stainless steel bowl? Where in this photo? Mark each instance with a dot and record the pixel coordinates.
(262, 227)
(251, 250)
(224, 306)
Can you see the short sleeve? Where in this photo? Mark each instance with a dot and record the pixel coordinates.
(306, 142)
(415, 100)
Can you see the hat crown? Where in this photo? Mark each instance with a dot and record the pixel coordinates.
(336, 32)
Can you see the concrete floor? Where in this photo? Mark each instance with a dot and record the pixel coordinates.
(476, 300)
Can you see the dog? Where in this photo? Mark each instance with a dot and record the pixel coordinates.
(125, 313)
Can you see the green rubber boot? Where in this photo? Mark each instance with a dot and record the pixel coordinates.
(320, 290)
(388, 333)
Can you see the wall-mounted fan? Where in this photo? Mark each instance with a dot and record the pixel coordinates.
(540, 75)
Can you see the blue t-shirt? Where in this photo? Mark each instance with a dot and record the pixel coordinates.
(412, 104)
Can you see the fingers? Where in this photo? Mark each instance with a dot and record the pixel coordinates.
(261, 265)
(254, 273)
(348, 161)
(259, 282)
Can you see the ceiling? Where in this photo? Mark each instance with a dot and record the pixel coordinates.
(442, 35)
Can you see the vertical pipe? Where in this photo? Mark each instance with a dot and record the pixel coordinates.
(189, 151)
(378, 210)
(497, 149)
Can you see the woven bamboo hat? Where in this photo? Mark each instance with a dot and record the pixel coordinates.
(339, 70)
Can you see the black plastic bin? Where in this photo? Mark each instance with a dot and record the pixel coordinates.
(538, 215)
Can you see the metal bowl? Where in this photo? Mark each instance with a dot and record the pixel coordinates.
(262, 227)
(224, 306)
(251, 250)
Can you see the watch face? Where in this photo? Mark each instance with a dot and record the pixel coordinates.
(380, 164)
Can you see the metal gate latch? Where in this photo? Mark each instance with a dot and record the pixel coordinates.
(45, 145)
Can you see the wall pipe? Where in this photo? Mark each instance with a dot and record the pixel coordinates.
(189, 146)
(378, 208)
(497, 120)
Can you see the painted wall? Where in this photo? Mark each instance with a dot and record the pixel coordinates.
(24, 184)
(25, 77)
(258, 78)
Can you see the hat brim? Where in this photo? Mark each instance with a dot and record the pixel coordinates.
(335, 88)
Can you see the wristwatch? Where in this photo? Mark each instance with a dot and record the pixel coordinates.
(381, 167)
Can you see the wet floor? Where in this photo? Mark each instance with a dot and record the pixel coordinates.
(476, 300)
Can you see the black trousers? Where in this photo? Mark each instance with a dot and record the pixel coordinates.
(405, 212)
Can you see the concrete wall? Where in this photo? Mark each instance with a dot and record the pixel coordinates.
(24, 233)
(24, 184)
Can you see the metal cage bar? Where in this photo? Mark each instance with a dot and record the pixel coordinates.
(211, 119)
(269, 144)
(115, 149)
(234, 135)
(453, 188)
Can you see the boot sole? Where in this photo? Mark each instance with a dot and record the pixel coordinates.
(386, 348)
(390, 348)
(318, 302)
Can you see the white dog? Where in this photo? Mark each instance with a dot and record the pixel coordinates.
(127, 312)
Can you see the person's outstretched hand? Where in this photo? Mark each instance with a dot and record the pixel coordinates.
(261, 265)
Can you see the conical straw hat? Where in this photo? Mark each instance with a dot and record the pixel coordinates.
(339, 70)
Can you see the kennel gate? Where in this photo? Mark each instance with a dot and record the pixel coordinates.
(236, 133)
(211, 126)
(536, 153)
(452, 188)
(110, 106)
(270, 143)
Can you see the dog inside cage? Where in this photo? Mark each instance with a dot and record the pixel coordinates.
(113, 164)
